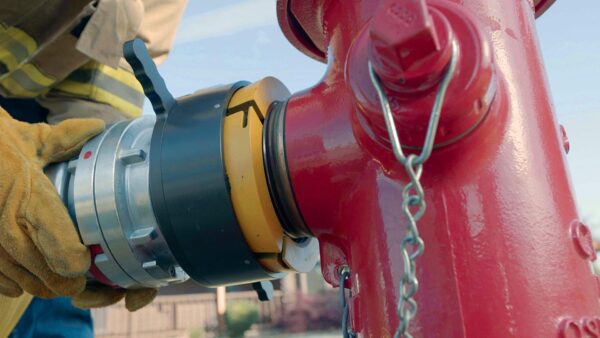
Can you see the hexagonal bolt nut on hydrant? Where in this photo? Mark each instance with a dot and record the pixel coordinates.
(410, 44)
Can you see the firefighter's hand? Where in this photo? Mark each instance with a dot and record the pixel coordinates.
(97, 295)
(40, 250)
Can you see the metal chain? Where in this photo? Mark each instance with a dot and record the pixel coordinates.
(413, 198)
(344, 273)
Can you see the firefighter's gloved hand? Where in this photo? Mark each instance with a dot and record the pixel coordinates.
(40, 250)
(97, 295)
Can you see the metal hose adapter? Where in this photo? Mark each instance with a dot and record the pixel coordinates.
(183, 194)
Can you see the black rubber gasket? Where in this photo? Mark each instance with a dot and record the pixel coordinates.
(276, 170)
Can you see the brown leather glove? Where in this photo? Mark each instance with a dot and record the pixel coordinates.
(40, 250)
(97, 295)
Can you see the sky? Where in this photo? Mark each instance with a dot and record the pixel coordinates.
(570, 40)
(220, 42)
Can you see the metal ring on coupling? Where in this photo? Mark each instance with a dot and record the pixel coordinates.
(245, 167)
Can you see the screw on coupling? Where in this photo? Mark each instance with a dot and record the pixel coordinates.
(410, 45)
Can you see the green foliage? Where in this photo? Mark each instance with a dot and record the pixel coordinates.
(198, 333)
(239, 317)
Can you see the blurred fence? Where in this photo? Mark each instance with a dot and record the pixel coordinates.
(176, 316)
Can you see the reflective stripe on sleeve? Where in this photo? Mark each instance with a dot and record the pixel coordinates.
(97, 82)
(18, 78)
(27, 81)
(15, 47)
(93, 82)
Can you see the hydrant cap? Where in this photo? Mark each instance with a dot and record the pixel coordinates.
(301, 23)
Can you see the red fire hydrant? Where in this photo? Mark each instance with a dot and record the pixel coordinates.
(504, 254)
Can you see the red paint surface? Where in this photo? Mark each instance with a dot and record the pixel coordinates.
(95, 272)
(87, 155)
(542, 6)
(469, 94)
(499, 258)
(404, 35)
(301, 22)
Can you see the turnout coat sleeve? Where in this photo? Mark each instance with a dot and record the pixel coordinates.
(11, 310)
(67, 54)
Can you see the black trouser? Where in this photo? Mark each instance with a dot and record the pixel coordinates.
(26, 110)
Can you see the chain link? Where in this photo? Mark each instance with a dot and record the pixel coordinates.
(413, 196)
(344, 273)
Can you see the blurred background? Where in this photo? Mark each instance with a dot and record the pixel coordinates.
(221, 42)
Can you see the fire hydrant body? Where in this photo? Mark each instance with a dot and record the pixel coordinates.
(505, 254)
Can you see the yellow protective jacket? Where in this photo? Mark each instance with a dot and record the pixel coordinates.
(67, 54)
